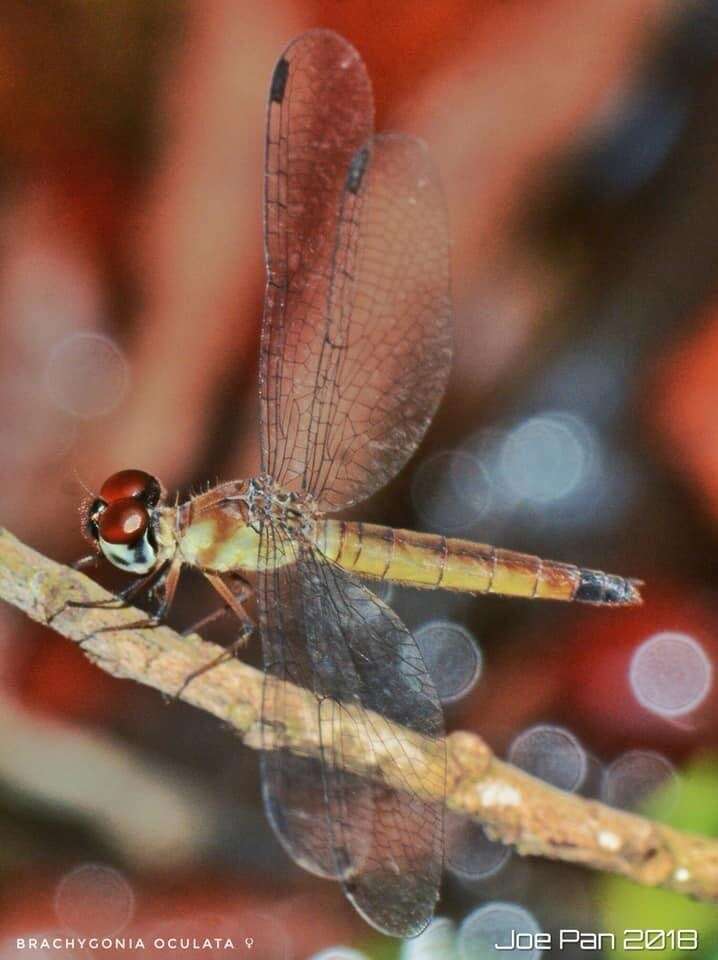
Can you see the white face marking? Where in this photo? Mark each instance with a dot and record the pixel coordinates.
(138, 557)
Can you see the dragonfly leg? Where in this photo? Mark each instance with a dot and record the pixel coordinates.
(162, 592)
(241, 591)
(128, 593)
(203, 622)
(233, 595)
(89, 560)
(234, 590)
(119, 601)
(245, 632)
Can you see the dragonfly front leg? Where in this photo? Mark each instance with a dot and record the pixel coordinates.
(162, 593)
(123, 598)
(234, 591)
(89, 560)
(120, 600)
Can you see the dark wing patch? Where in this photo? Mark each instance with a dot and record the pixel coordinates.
(279, 81)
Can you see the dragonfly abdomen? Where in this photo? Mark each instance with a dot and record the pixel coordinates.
(434, 561)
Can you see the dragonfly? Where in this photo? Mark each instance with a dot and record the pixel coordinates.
(355, 352)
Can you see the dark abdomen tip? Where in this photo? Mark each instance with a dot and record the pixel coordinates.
(605, 588)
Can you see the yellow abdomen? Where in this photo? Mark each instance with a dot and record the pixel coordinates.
(433, 561)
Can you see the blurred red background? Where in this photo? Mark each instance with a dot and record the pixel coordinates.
(577, 143)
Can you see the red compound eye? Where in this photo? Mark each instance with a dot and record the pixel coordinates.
(130, 483)
(124, 521)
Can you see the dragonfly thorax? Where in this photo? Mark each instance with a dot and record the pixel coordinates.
(293, 511)
(222, 529)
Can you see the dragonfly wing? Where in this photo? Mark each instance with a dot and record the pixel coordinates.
(381, 836)
(292, 787)
(320, 111)
(356, 344)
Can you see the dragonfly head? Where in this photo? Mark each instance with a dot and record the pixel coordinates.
(122, 521)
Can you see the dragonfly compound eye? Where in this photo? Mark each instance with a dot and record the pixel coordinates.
(125, 535)
(124, 521)
(135, 484)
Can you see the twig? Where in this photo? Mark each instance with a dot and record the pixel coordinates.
(512, 806)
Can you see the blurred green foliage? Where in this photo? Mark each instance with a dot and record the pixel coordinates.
(627, 906)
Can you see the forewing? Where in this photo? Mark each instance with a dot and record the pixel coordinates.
(380, 358)
(382, 836)
(320, 112)
(356, 340)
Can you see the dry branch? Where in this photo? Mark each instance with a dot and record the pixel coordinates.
(513, 807)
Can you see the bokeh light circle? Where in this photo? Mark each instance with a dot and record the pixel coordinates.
(437, 942)
(384, 589)
(470, 854)
(452, 657)
(434, 493)
(95, 900)
(545, 458)
(670, 674)
(498, 923)
(86, 375)
(637, 774)
(551, 753)
(471, 482)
